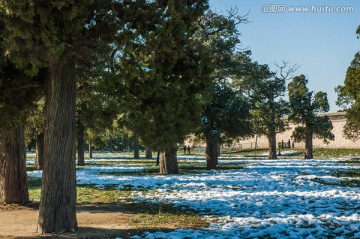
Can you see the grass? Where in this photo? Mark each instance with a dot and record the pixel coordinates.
(146, 215)
(336, 153)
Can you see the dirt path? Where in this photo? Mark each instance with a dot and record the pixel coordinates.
(95, 221)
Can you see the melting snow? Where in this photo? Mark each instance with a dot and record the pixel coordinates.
(266, 199)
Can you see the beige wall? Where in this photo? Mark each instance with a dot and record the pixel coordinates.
(338, 120)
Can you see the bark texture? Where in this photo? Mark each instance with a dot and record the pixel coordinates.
(272, 146)
(309, 146)
(168, 161)
(211, 154)
(13, 177)
(39, 158)
(58, 198)
(80, 144)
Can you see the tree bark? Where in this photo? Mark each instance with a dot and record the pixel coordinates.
(57, 211)
(39, 158)
(309, 146)
(80, 144)
(168, 161)
(90, 150)
(13, 177)
(136, 148)
(211, 153)
(272, 146)
(148, 153)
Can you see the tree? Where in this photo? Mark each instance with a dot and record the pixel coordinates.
(268, 108)
(35, 130)
(164, 69)
(225, 112)
(17, 92)
(148, 153)
(305, 107)
(349, 98)
(225, 116)
(46, 35)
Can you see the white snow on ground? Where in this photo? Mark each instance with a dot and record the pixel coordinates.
(266, 199)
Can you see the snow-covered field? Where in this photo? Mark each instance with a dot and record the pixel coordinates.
(267, 199)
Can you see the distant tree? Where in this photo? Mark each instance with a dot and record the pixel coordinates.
(305, 107)
(268, 108)
(148, 154)
(225, 116)
(35, 124)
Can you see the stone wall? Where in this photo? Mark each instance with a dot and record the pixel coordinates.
(338, 120)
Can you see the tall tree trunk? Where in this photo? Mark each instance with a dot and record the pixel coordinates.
(39, 158)
(148, 153)
(136, 148)
(13, 177)
(90, 150)
(212, 148)
(168, 161)
(272, 146)
(57, 211)
(309, 146)
(80, 144)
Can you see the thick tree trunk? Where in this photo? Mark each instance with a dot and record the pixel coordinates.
(58, 197)
(90, 150)
(272, 146)
(13, 177)
(39, 158)
(80, 144)
(211, 154)
(309, 146)
(168, 161)
(148, 153)
(136, 148)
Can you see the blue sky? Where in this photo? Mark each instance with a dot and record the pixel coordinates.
(321, 43)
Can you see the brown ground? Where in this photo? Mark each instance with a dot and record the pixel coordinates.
(95, 221)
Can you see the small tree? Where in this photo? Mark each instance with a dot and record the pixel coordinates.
(305, 107)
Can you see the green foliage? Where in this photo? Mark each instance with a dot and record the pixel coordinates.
(39, 33)
(265, 90)
(163, 69)
(306, 106)
(349, 98)
(225, 114)
(17, 94)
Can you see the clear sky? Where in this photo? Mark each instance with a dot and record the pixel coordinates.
(322, 42)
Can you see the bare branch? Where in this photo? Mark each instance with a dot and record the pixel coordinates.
(286, 72)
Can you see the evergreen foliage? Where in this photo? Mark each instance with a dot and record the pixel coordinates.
(349, 98)
(305, 107)
(164, 70)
